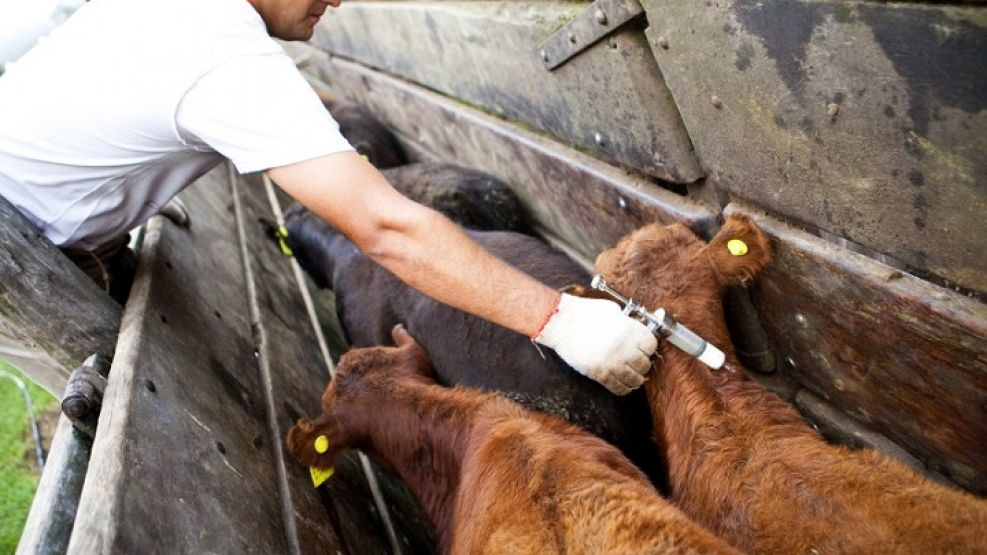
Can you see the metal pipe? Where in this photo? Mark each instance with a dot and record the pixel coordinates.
(39, 450)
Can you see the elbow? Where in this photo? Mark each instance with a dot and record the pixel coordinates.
(389, 238)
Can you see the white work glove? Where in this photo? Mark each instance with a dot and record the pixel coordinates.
(600, 342)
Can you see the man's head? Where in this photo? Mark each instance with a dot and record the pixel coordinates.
(292, 19)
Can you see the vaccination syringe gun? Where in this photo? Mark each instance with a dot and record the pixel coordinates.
(664, 326)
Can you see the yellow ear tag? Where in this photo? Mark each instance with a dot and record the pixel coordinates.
(320, 475)
(737, 247)
(321, 444)
(282, 234)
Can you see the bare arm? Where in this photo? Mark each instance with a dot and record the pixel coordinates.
(418, 245)
(430, 253)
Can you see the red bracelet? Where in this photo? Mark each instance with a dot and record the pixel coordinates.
(555, 308)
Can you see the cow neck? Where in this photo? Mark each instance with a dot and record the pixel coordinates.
(425, 439)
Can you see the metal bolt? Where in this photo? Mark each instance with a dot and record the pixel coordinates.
(76, 407)
(544, 56)
(621, 202)
(832, 109)
(599, 139)
(662, 42)
(717, 103)
(801, 320)
(572, 37)
(149, 385)
(838, 383)
(601, 17)
(790, 362)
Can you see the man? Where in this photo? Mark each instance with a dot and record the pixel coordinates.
(132, 100)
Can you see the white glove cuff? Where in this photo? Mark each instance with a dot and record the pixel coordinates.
(559, 324)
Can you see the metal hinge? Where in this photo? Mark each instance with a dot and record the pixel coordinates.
(592, 24)
(84, 394)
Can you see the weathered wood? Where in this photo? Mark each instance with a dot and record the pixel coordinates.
(587, 203)
(298, 377)
(360, 521)
(290, 368)
(610, 99)
(865, 119)
(47, 299)
(837, 427)
(902, 356)
(49, 524)
(182, 459)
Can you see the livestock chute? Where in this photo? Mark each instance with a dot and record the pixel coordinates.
(853, 133)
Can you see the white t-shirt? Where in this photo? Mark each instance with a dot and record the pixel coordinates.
(131, 100)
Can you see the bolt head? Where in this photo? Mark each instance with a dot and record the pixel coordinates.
(572, 37)
(716, 102)
(75, 407)
(662, 42)
(600, 16)
(544, 56)
(832, 109)
(598, 138)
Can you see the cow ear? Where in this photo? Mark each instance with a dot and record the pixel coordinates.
(580, 290)
(314, 442)
(413, 353)
(739, 251)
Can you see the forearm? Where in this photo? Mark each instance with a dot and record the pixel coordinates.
(418, 245)
(431, 254)
(434, 256)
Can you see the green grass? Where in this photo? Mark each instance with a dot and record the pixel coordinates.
(17, 480)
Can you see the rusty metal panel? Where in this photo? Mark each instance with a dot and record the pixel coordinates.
(898, 354)
(584, 202)
(867, 120)
(601, 18)
(609, 100)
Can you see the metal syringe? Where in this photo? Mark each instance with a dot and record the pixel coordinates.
(664, 326)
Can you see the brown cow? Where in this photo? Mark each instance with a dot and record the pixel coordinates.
(741, 461)
(492, 476)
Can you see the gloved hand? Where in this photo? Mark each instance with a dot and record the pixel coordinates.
(600, 342)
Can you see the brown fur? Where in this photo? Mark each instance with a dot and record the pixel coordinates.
(741, 461)
(493, 477)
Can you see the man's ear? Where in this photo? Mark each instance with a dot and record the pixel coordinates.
(739, 251)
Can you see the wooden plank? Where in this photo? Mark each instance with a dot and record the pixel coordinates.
(47, 299)
(585, 202)
(49, 524)
(609, 100)
(182, 457)
(297, 374)
(898, 354)
(289, 366)
(863, 119)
